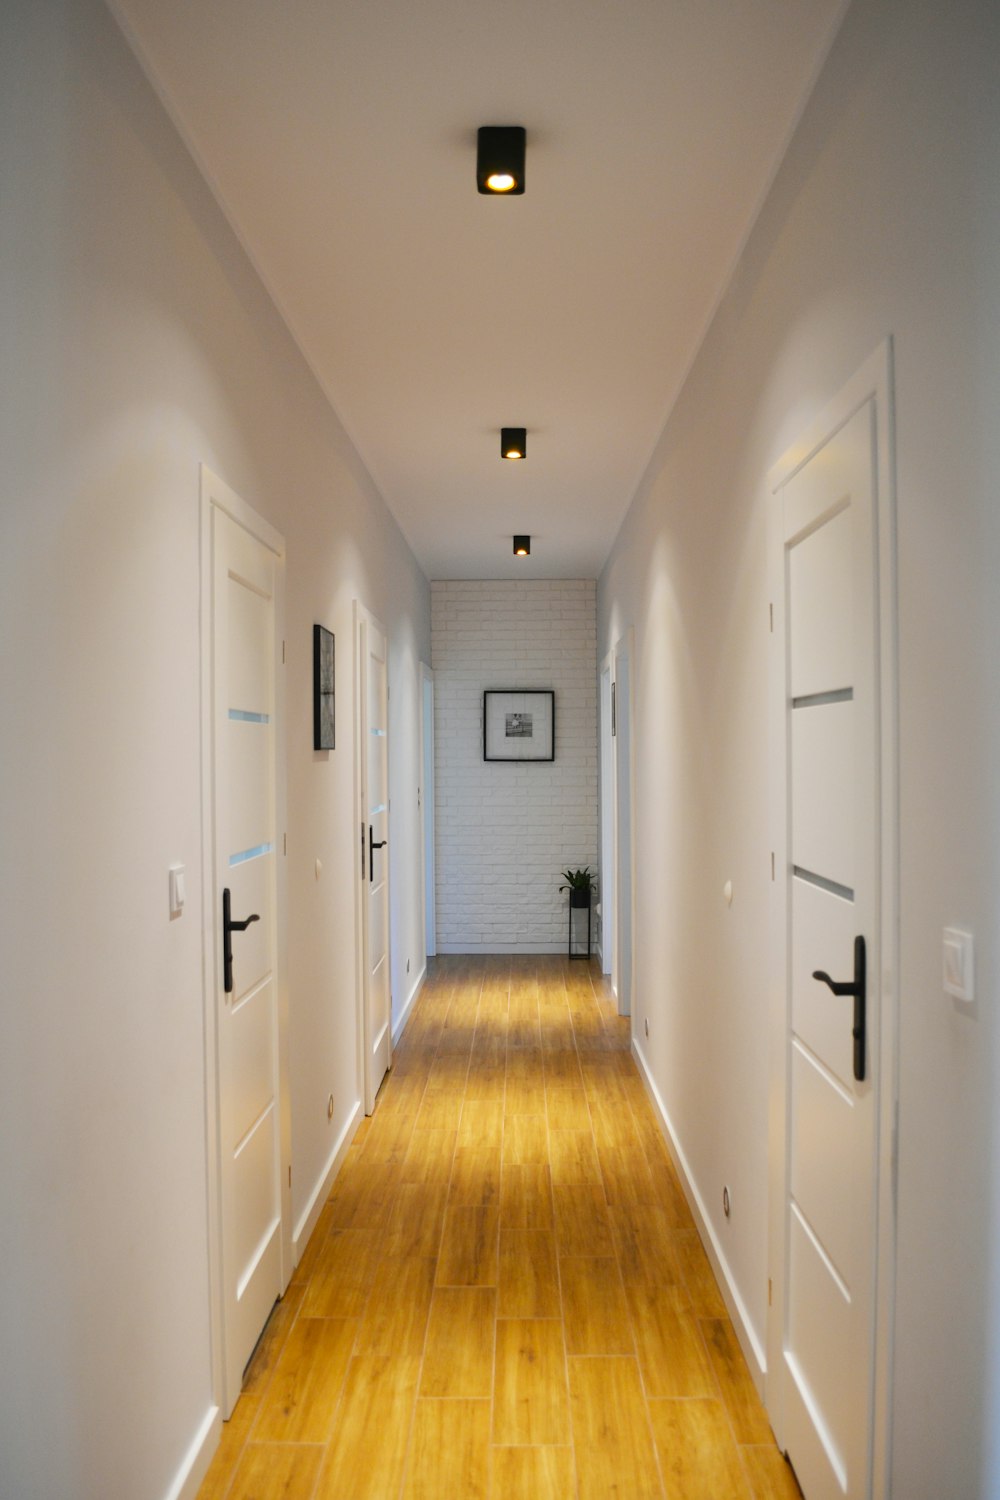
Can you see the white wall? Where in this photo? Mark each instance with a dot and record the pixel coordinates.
(504, 832)
(137, 343)
(885, 218)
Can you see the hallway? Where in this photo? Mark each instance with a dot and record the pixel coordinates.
(505, 1294)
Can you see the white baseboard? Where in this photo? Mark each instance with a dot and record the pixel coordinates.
(501, 947)
(320, 1193)
(187, 1480)
(750, 1344)
(404, 1015)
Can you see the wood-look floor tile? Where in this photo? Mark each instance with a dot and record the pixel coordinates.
(525, 1140)
(367, 1451)
(362, 1194)
(698, 1456)
(533, 1474)
(404, 1097)
(594, 1311)
(567, 1108)
(614, 1448)
(771, 1476)
(669, 1193)
(272, 1340)
(486, 1080)
(388, 1138)
(523, 1031)
(644, 1241)
(429, 1156)
(307, 1381)
(447, 1076)
(525, 1092)
(613, 1125)
(481, 1123)
(341, 1281)
(703, 1289)
(235, 1432)
(439, 1111)
(528, 1282)
(530, 1403)
(395, 1319)
(309, 1256)
(562, 1068)
(468, 1255)
(416, 1221)
(583, 1226)
(458, 1355)
(449, 1451)
(573, 1158)
(276, 1471)
(739, 1393)
(626, 1177)
(669, 1343)
(526, 1197)
(475, 1177)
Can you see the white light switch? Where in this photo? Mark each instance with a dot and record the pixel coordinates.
(177, 892)
(959, 977)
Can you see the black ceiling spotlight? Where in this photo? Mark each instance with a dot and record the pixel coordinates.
(513, 442)
(500, 159)
(522, 546)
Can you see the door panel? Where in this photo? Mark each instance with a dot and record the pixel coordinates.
(833, 844)
(247, 1020)
(373, 731)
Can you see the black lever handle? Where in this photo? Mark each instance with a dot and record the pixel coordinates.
(858, 988)
(228, 928)
(373, 844)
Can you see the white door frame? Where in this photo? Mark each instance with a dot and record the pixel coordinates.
(215, 493)
(873, 382)
(426, 798)
(609, 853)
(362, 617)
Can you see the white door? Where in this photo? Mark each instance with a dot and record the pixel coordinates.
(608, 896)
(245, 572)
(830, 892)
(427, 808)
(373, 766)
(624, 927)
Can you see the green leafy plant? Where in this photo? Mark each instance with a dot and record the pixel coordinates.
(578, 880)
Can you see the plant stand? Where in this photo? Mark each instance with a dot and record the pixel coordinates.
(578, 900)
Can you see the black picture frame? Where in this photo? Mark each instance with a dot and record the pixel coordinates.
(519, 724)
(324, 689)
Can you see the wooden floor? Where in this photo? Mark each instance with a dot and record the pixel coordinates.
(505, 1294)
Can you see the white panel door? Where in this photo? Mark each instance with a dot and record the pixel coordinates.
(373, 705)
(624, 916)
(244, 571)
(608, 783)
(832, 892)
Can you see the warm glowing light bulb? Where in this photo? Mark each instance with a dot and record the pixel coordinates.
(521, 552)
(513, 453)
(500, 182)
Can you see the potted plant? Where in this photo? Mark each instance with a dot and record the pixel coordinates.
(580, 884)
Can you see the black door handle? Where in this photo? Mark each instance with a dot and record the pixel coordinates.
(228, 928)
(858, 988)
(373, 844)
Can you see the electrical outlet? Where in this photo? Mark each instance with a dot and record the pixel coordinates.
(329, 1108)
(726, 1205)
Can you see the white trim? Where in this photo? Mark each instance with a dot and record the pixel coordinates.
(320, 1193)
(607, 785)
(408, 1004)
(491, 947)
(749, 1342)
(363, 617)
(214, 492)
(872, 382)
(428, 862)
(197, 1460)
(625, 647)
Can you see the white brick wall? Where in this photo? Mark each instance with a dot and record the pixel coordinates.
(504, 832)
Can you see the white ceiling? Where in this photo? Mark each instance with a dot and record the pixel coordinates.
(339, 135)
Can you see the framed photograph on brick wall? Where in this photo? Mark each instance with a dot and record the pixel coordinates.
(519, 724)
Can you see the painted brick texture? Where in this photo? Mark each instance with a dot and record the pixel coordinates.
(504, 832)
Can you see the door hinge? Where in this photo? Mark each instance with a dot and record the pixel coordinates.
(289, 1175)
(771, 612)
(772, 864)
(614, 711)
(282, 653)
(770, 1293)
(284, 843)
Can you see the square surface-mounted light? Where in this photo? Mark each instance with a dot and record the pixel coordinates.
(513, 442)
(522, 546)
(500, 160)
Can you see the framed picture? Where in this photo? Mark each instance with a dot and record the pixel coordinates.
(519, 724)
(323, 689)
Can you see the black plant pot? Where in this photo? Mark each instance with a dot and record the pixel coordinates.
(579, 898)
